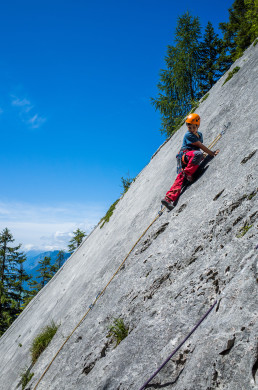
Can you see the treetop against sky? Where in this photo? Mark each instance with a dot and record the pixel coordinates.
(75, 113)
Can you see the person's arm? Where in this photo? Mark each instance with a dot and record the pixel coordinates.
(206, 150)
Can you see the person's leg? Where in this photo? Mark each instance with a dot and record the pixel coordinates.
(175, 190)
(195, 157)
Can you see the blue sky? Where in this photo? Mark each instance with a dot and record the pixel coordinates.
(76, 79)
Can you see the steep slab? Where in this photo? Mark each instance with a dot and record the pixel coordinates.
(189, 258)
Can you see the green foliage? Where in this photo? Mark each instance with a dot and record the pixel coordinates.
(60, 259)
(126, 182)
(205, 97)
(231, 74)
(178, 84)
(193, 66)
(242, 28)
(35, 287)
(195, 104)
(252, 195)
(26, 376)
(179, 122)
(76, 241)
(12, 277)
(255, 42)
(109, 213)
(42, 340)
(118, 330)
(244, 229)
(46, 271)
(211, 52)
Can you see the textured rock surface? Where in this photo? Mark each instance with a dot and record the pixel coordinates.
(189, 258)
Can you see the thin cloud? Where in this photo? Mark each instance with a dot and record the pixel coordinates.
(48, 227)
(25, 109)
(21, 102)
(36, 121)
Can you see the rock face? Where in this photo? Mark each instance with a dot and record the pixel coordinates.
(202, 251)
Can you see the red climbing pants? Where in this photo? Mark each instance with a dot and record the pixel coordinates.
(194, 158)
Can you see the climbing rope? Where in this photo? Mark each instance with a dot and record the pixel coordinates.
(98, 296)
(104, 289)
(180, 345)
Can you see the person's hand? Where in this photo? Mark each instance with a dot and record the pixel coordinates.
(216, 152)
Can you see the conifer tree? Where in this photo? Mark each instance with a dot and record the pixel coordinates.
(11, 288)
(126, 182)
(60, 259)
(211, 59)
(76, 241)
(20, 276)
(179, 83)
(46, 271)
(242, 28)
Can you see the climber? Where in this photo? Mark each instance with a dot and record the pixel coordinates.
(188, 159)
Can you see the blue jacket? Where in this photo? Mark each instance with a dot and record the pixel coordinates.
(189, 139)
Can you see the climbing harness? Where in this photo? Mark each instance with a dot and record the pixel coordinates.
(180, 345)
(104, 289)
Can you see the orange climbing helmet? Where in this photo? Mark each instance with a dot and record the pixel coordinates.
(194, 119)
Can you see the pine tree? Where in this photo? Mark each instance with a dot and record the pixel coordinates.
(76, 241)
(179, 83)
(10, 300)
(252, 18)
(188, 34)
(126, 182)
(242, 28)
(46, 271)
(60, 259)
(211, 63)
(20, 276)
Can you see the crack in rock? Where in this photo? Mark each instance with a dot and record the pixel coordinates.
(255, 365)
(177, 368)
(230, 345)
(156, 285)
(89, 367)
(218, 195)
(248, 157)
(232, 207)
(153, 236)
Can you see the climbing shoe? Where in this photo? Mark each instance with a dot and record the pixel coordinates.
(168, 203)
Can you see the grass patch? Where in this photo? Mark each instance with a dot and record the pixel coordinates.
(118, 330)
(26, 376)
(244, 230)
(205, 97)
(255, 42)
(42, 340)
(252, 195)
(126, 182)
(110, 211)
(231, 74)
